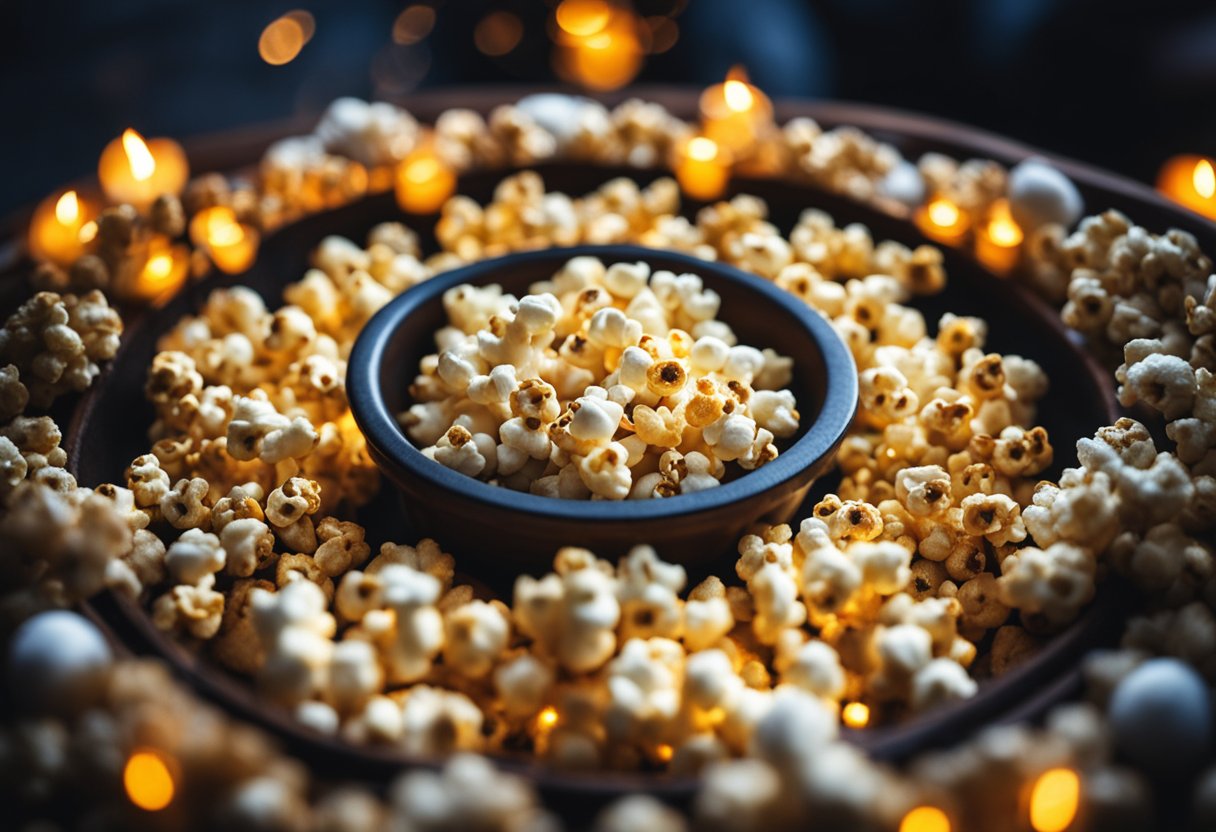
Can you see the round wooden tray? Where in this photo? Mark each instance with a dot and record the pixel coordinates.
(111, 421)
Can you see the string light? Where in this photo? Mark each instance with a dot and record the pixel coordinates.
(282, 40)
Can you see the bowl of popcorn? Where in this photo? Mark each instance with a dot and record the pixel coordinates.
(608, 394)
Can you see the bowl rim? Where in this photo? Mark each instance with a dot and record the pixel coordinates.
(383, 434)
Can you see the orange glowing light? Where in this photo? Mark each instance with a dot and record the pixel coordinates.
(736, 114)
(307, 23)
(497, 34)
(1001, 228)
(424, 181)
(413, 24)
(59, 228)
(547, 718)
(67, 208)
(702, 168)
(1054, 800)
(1190, 181)
(943, 213)
(232, 246)
(137, 171)
(1204, 179)
(856, 715)
(925, 819)
(737, 95)
(148, 781)
(139, 158)
(583, 18)
(281, 40)
(665, 752)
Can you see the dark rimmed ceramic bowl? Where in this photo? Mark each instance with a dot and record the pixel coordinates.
(479, 521)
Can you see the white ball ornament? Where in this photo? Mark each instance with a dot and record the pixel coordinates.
(1039, 194)
(57, 663)
(1161, 717)
(904, 184)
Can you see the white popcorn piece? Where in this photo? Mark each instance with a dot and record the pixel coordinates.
(194, 556)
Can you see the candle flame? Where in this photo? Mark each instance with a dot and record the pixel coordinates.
(943, 213)
(1002, 230)
(547, 718)
(87, 232)
(1054, 800)
(67, 209)
(702, 149)
(925, 819)
(1204, 179)
(856, 715)
(138, 156)
(738, 95)
(148, 781)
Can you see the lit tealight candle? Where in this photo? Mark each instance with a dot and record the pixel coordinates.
(736, 114)
(136, 171)
(943, 221)
(424, 182)
(702, 168)
(999, 240)
(164, 270)
(232, 246)
(61, 226)
(1191, 182)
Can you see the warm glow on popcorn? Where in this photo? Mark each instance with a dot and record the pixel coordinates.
(148, 781)
(1054, 800)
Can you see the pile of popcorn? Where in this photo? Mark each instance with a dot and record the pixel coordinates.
(879, 598)
(234, 531)
(603, 383)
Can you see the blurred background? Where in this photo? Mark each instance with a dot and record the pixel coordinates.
(1118, 83)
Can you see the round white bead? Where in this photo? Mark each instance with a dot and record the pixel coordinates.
(1161, 716)
(57, 663)
(1039, 194)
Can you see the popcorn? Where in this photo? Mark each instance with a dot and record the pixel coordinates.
(418, 632)
(1052, 583)
(194, 556)
(476, 635)
(54, 342)
(196, 610)
(571, 615)
(295, 631)
(563, 392)
(259, 431)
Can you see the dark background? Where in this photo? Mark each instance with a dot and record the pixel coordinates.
(1117, 83)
